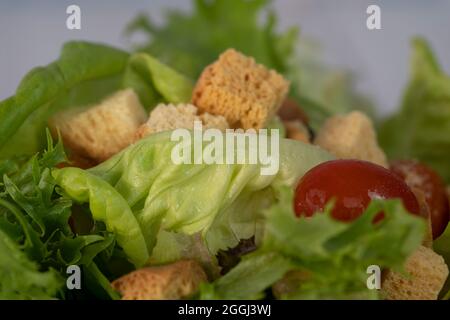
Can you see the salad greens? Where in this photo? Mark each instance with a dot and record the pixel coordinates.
(84, 74)
(20, 277)
(155, 82)
(334, 255)
(37, 243)
(198, 38)
(143, 180)
(424, 117)
(108, 206)
(138, 207)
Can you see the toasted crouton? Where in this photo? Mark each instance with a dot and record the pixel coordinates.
(169, 282)
(245, 93)
(103, 130)
(351, 136)
(169, 117)
(427, 271)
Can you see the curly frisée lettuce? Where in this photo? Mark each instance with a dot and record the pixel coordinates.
(421, 129)
(220, 201)
(36, 240)
(20, 277)
(333, 256)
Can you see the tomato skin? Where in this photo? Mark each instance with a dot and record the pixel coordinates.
(418, 175)
(352, 184)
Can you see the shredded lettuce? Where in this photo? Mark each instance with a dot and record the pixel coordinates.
(335, 255)
(421, 129)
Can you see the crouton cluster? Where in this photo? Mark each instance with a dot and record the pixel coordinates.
(169, 282)
(245, 93)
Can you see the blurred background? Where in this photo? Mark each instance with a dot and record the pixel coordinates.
(32, 32)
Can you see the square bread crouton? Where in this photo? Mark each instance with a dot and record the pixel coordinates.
(169, 282)
(104, 129)
(428, 273)
(351, 136)
(247, 94)
(169, 117)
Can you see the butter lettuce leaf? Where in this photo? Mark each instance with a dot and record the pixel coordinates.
(156, 82)
(108, 206)
(84, 74)
(222, 202)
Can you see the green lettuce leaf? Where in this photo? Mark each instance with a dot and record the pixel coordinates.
(421, 129)
(335, 255)
(108, 206)
(155, 82)
(220, 201)
(20, 278)
(84, 73)
(36, 240)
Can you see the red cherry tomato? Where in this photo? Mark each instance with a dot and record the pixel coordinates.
(418, 175)
(353, 184)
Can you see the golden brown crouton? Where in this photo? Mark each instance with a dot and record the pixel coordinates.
(245, 93)
(351, 136)
(103, 130)
(296, 130)
(169, 117)
(428, 273)
(169, 282)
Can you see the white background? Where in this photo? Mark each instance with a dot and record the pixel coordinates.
(32, 32)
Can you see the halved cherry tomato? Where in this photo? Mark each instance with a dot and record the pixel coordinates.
(418, 175)
(352, 184)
